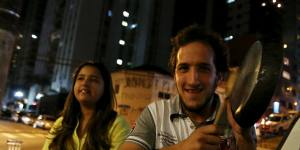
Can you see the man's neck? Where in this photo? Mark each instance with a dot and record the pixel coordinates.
(205, 112)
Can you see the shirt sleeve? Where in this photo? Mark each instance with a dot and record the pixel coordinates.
(144, 132)
(119, 131)
(51, 135)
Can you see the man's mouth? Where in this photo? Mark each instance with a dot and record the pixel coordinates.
(193, 90)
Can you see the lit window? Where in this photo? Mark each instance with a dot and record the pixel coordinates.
(289, 89)
(133, 26)
(119, 62)
(34, 36)
(230, 1)
(263, 4)
(18, 47)
(121, 42)
(228, 38)
(276, 107)
(279, 5)
(285, 45)
(129, 64)
(124, 23)
(125, 14)
(286, 61)
(274, 1)
(286, 75)
(109, 13)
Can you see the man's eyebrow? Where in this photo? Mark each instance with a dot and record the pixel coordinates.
(204, 65)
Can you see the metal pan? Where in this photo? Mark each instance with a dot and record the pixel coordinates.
(256, 82)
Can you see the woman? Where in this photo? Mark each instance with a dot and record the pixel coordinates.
(88, 120)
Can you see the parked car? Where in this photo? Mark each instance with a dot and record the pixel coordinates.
(293, 113)
(44, 122)
(28, 118)
(5, 114)
(275, 124)
(16, 116)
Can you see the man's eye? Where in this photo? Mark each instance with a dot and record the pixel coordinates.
(204, 69)
(182, 68)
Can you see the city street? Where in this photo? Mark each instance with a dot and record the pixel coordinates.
(32, 139)
(268, 143)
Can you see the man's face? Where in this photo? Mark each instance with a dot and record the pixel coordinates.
(195, 75)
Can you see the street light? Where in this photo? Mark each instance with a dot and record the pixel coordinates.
(39, 96)
(119, 62)
(19, 94)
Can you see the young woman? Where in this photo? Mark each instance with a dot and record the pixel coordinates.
(88, 121)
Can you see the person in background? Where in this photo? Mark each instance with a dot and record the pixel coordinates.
(88, 120)
(186, 122)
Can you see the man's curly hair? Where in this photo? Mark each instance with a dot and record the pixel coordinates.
(195, 33)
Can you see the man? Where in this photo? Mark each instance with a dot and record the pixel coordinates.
(198, 61)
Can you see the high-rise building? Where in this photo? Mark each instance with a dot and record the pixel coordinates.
(210, 14)
(291, 45)
(21, 75)
(272, 21)
(9, 18)
(120, 33)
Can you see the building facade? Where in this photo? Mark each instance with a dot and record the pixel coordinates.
(122, 34)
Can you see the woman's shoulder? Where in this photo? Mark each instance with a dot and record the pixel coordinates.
(119, 119)
(57, 123)
(120, 122)
(59, 120)
(120, 127)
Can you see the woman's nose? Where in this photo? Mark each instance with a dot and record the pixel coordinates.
(85, 81)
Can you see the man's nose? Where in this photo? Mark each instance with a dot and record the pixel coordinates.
(194, 76)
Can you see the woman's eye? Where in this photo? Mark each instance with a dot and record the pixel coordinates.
(95, 80)
(80, 78)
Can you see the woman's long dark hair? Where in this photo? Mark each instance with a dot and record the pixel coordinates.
(104, 116)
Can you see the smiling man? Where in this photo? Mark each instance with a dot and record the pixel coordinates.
(198, 61)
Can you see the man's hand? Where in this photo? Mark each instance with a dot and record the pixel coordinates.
(205, 137)
(244, 139)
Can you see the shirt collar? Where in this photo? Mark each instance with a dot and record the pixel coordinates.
(177, 112)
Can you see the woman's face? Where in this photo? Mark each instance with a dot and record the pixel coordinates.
(89, 86)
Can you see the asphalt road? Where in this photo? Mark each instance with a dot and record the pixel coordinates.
(32, 139)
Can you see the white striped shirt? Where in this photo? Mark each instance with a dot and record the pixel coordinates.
(163, 123)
